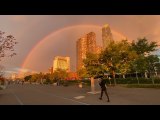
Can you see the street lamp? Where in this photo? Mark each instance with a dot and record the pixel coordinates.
(151, 73)
(135, 66)
(137, 77)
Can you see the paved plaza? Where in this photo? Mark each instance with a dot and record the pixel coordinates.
(32, 94)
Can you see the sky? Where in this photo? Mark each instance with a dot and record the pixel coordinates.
(42, 37)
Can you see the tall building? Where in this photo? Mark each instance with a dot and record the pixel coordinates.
(60, 62)
(50, 70)
(98, 49)
(91, 42)
(81, 48)
(107, 37)
(85, 44)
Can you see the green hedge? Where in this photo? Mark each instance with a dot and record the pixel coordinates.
(118, 81)
(143, 85)
(48, 81)
(134, 81)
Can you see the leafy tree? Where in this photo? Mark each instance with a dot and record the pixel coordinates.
(118, 57)
(145, 60)
(7, 44)
(60, 74)
(142, 46)
(27, 78)
(92, 65)
(151, 60)
(1, 75)
(82, 73)
(35, 77)
(1, 71)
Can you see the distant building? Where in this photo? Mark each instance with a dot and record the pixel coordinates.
(60, 62)
(85, 44)
(107, 37)
(51, 70)
(98, 49)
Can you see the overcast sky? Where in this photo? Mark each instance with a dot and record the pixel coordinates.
(59, 37)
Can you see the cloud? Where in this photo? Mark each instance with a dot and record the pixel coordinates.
(17, 70)
(8, 71)
(21, 70)
(19, 18)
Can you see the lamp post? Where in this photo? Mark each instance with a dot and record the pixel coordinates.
(151, 73)
(137, 77)
(136, 72)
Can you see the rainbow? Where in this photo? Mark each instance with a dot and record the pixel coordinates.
(57, 32)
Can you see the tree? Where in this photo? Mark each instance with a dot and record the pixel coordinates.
(127, 55)
(145, 60)
(92, 65)
(7, 44)
(142, 46)
(118, 57)
(27, 78)
(35, 77)
(1, 71)
(60, 74)
(1, 75)
(82, 73)
(151, 60)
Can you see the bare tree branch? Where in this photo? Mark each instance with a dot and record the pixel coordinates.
(7, 44)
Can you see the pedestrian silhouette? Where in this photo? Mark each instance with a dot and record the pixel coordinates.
(22, 82)
(102, 83)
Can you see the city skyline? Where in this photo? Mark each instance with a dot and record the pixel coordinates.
(41, 38)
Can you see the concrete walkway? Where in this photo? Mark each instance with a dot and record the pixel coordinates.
(73, 95)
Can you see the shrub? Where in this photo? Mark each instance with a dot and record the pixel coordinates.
(2, 81)
(143, 85)
(48, 81)
(134, 81)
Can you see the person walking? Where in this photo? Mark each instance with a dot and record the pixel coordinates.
(102, 83)
(22, 82)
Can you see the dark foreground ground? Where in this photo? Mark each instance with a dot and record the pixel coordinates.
(29, 94)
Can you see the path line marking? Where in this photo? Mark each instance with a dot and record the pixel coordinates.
(63, 97)
(17, 98)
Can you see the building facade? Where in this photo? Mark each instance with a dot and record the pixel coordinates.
(60, 62)
(107, 37)
(98, 49)
(85, 44)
